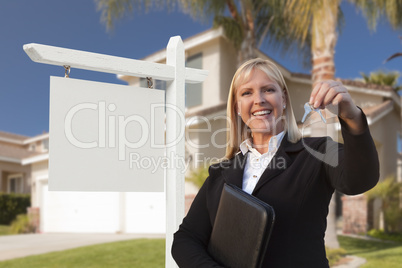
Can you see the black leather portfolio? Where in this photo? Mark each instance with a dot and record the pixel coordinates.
(241, 230)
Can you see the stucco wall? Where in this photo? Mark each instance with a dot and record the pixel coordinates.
(7, 168)
(227, 69)
(384, 132)
(206, 141)
(299, 94)
(40, 171)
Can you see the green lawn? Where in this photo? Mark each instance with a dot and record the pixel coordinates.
(5, 229)
(150, 253)
(377, 254)
(139, 253)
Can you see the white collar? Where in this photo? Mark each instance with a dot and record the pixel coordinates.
(273, 144)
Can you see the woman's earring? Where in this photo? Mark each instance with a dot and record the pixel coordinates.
(284, 107)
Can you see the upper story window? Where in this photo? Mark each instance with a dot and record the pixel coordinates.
(45, 145)
(194, 91)
(399, 142)
(32, 147)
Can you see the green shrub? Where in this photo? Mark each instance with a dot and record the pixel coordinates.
(11, 205)
(22, 225)
(5, 229)
(198, 176)
(388, 191)
(380, 234)
(334, 255)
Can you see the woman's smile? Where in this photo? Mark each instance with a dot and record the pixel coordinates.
(262, 113)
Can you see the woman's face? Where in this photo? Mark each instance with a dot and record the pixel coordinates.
(260, 102)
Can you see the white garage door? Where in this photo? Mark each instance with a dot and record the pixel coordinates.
(100, 212)
(79, 211)
(145, 213)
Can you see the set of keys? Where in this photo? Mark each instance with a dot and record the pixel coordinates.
(308, 108)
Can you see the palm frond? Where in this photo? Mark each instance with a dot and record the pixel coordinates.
(373, 10)
(232, 29)
(203, 9)
(113, 10)
(389, 78)
(399, 54)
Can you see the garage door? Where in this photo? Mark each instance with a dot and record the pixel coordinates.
(79, 211)
(100, 212)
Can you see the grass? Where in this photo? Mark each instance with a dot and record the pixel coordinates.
(5, 229)
(144, 253)
(377, 254)
(139, 253)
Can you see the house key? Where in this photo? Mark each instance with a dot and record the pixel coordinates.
(308, 108)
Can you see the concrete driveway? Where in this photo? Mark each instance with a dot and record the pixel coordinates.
(17, 246)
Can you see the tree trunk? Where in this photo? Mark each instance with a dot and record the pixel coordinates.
(249, 44)
(324, 39)
(247, 49)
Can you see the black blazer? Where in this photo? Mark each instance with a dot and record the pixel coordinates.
(298, 183)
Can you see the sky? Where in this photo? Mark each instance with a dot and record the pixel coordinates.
(75, 24)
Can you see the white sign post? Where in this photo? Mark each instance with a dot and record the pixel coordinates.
(176, 75)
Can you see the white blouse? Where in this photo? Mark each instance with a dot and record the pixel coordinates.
(257, 162)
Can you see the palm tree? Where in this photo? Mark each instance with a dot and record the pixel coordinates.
(246, 23)
(319, 20)
(383, 78)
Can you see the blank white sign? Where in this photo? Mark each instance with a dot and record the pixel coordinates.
(105, 137)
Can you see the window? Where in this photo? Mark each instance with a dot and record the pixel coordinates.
(32, 147)
(194, 91)
(399, 142)
(45, 145)
(15, 183)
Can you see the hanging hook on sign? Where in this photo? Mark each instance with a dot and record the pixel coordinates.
(67, 70)
(150, 82)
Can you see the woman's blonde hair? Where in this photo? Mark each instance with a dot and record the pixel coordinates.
(238, 130)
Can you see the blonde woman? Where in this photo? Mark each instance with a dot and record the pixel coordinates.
(267, 157)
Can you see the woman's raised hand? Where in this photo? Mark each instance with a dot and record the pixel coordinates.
(334, 96)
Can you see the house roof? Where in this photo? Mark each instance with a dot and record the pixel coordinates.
(12, 138)
(13, 147)
(11, 153)
(376, 112)
(349, 82)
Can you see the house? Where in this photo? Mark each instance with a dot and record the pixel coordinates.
(205, 143)
(18, 156)
(206, 116)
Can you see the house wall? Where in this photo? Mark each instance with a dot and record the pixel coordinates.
(7, 168)
(40, 173)
(210, 61)
(209, 144)
(206, 141)
(364, 100)
(299, 94)
(228, 66)
(384, 133)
